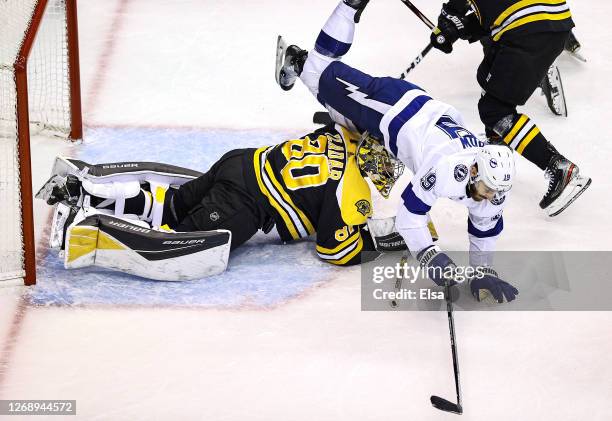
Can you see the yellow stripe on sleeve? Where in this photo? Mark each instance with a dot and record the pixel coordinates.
(520, 5)
(533, 18)
(343, 245)
(349, 256)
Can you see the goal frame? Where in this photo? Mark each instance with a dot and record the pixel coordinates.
(23, 119)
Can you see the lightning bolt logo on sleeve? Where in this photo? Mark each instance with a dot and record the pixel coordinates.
(362, 98)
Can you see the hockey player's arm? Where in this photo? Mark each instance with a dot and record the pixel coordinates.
(341, 236)
(343, 246)
(483, 232)
(411, 221)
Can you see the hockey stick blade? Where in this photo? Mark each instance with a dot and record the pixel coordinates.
(444, 405)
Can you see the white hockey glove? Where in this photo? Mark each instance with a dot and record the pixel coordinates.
(385, 237)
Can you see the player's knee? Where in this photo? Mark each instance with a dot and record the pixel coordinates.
(496, 114)
(314, 67)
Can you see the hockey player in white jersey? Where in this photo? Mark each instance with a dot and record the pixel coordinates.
(427, 135)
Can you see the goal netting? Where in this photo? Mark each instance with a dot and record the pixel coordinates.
(38, 92)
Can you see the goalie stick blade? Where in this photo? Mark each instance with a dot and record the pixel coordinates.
(444, 405)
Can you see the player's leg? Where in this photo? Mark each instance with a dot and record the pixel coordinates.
(225, 205)
(354, 99)
(334, 41)
(509, 74)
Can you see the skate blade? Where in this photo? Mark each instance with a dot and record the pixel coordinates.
(577, 56)
(60, 216)
(578, 186)
(281, 47)
(556, 94)
(45, 191)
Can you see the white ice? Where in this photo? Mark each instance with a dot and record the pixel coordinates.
(183, 81)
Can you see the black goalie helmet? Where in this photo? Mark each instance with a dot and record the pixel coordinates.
(375, 162)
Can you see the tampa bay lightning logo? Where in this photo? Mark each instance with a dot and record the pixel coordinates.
(493, 163)
(428, 181)
(461, 172)
(498, 200)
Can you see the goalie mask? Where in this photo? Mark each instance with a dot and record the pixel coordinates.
(375, 162)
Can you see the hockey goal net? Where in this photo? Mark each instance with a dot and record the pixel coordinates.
(39, 92)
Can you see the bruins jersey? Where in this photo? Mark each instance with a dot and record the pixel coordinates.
(312, 185)
(510, 18)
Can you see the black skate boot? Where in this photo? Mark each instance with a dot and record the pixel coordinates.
(565, 184)
(289, 63)
(358, 5)
(573, 46)
(60, 189)
(552, 89)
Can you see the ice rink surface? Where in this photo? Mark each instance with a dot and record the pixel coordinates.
(280, 335)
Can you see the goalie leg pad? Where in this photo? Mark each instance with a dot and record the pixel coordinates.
(124, 171)
(125, 246)
(122, 180)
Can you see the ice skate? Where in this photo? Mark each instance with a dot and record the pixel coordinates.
(358, 5)
(289, 63)
(552, 89)
(573, 46)
(565, 184)
(61, 189)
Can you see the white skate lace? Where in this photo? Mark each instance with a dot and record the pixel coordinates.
(548, 175)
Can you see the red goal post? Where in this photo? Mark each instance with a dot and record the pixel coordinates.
(40, 90)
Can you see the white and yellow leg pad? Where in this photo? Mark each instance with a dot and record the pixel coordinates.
(132, 247)
(119, 181)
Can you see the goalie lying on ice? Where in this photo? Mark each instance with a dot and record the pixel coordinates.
(169, 223)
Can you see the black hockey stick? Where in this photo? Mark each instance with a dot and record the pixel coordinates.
(419, 14)
(427, 49)
(416, 61)
(438, 402)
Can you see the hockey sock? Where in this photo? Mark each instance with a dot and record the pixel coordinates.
(337, 34)
(525, 137)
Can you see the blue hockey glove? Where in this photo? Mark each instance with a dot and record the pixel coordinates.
(488, 283)
(440, 268)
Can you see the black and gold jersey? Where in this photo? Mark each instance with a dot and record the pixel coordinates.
(313, 185)
(510, 18)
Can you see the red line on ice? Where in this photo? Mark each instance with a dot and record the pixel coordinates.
(105, 57)
(8, 349)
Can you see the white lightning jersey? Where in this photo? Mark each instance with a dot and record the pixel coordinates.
(428, 136)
